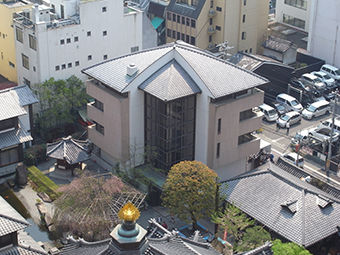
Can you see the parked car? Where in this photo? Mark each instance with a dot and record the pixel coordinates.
(294, 158)
(333, 71)
(289, 102)
(269, 112)
(313, 81)
(279, 108)
(329, 94)
(328, 123)
(316, 109)
(301, 137)
(323, 133)
(299, 84)
(326, 78)
(292, 117)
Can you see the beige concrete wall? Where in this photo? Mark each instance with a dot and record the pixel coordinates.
(231, 129)
(114, 118)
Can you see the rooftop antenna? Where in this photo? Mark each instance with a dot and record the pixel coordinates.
(223, 47)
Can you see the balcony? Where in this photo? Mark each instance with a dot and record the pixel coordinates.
(211, 30)
(212, 13)
(250, 122)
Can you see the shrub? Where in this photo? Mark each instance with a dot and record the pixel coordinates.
(35, 153)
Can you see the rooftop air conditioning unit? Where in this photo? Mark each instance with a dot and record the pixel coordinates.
(211, 30)
(55, 23)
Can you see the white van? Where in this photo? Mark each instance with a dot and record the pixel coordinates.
(269, 112)
(316, 109)
(289, 102)
(328, 123)
(333, 71)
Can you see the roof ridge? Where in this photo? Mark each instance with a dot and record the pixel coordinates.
(15, 219)
(12, 88)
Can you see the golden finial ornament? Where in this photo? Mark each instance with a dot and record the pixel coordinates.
(129, 212)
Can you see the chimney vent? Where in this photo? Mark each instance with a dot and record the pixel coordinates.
(131, 69)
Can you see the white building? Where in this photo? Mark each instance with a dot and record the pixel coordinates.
(60, 38)
(324, 34)
(294, 13)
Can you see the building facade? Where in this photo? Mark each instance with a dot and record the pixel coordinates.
(179, 100)
(206, 24)
(60, 39)
(8, 64)
(294, 13)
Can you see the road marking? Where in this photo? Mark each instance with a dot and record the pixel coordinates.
(282, 137)
(315, 171)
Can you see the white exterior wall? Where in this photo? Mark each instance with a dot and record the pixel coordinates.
(123, 32)
(324, 36)
(25, 119)
(282, 8)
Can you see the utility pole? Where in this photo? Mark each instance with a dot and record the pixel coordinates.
(329, 155)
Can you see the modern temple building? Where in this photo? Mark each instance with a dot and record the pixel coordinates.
(184, 102)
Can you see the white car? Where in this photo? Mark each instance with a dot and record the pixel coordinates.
(316, 109)
(323, 134)
(291, 117)
(326, 78)
(314, 81)
(294, 158)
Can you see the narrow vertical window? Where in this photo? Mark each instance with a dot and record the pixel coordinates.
(218, 150)
(244, 18)
(219, 126)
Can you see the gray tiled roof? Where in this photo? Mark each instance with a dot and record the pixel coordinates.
(10, 220)
(14, 137)
(277, 44)
(18, 250)
(219, 77)
(71, 150)
(185, 9)
(262, 195)
(13, 99)
(170, 82)
(81, 247)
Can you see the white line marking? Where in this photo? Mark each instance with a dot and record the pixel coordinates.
(282, 137)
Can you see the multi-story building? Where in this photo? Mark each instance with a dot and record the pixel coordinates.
(16, 121)
(180, 100)
(60, 39)
(324, 34)
(8, 64)
(294, 13)
(206, 24)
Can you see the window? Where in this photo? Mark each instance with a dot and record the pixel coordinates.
(174, 34)
(183, 37)
(250, 50)
(104, 9)
(57, 68)
(210, 21)
(168, 16)
(294, 21)
(134, 49)
(187, 37)
(178, 36)
(11, 64)
(219, 9)
(68, 40)
(193, 40)
(105, 33)
(193, 23)
(105, 57)
(88, 33)
(183, 20)
(63, 66)
(219, 123)
(244, 35)
(211, 4)
(168, 32)
(244, 2)
(302, 4)
(188, 22)
(76, 63)
(210, 38)
(25, 61)
(62, 14)
(34, 68)
(244, 18)
(173, 17)
(99, 128)
(89, 57)
(178, 19)
(8, 123)
(62, 41)
(194, 2)
(19, 35)
(27, 82)
(32, 42)
(76, 39)
(99, 105)
(245, 138)
(218, 28)
(9, 156)
(218, 150)
(69, 65)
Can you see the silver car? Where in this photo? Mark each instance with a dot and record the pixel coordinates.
(323, 133)
(291, 117)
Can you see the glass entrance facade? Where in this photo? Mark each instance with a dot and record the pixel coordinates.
(170, 129)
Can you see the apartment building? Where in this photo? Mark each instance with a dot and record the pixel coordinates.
(180, 100)
(206, 24)
(8, 64)
(60, 38)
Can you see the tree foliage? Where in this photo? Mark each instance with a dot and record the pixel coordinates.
(252, 238)
(59, 101)
(189, 191)
(84, 208)
(290, 248)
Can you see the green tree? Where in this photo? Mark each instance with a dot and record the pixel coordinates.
(189, 191)
(291, 248)
(233, 220)
(252, 238)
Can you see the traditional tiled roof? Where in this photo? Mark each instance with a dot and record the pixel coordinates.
(82, 247)
(277, 44)
(287, 205)
(71, 150)
(218, 77)
(10, 220)
(19, 250)
(170, 82)
(14, 137)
